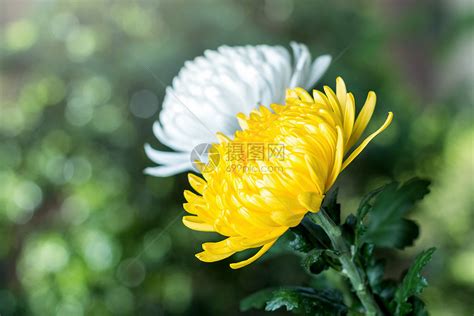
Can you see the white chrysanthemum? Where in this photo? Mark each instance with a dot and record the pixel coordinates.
(212, 89)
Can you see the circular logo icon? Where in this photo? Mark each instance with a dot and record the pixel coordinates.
(204, 158)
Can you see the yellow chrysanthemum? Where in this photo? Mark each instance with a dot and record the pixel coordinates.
(255, 203)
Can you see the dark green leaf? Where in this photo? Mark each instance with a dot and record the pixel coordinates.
(314, 261)
(318, 260)
(367, 252)
(418, 306)
(300, 241)
(365, 205)
(375, 273)
(375, 270)
(413, 284)
(314, 233)
(331, 207)
(386, 290)
(349, 228)
(399, 234)
(299, 300)
(385, 226)
(393, 202)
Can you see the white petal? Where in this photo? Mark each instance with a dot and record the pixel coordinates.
(165, 140)
(168, 170)
(319, 67)
(301, 64)
(164, 157)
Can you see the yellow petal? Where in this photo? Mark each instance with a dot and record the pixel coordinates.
(328, 117)
(265, 111)
(291, 94)
(276, 233)
(349, 114)
(287, 218)
(303, 95)
(277, 107)
(321, 99)
(338, 157)
(220, 247)
(189, 207)
(223, 139)
(311, 201)
(363, 118)
(207, 256)
(191, 197)
(341, 91)
(259, 219)
(260, 253)
(366, 141)
(336, 107)
(313, 169)
(242, 119)
(197, 183)
(195, 223)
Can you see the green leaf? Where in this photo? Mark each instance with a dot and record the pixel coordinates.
(386, 290)
(300, 241)
(314, 234)
(318, 260)
(413, 284)
(365, 205)
(349, 228)
(375, 271)
(299, 300)
(331, 207)
(385, 226)
(364, 208)
(314, 261)
(399, 234)
(419, 308)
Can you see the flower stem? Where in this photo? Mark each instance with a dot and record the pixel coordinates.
(355, 275)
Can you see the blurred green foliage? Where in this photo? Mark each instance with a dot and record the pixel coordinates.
(84, 232)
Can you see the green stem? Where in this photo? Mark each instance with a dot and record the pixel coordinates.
(355, 275)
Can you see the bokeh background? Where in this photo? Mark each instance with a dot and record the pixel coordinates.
(84, 232)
